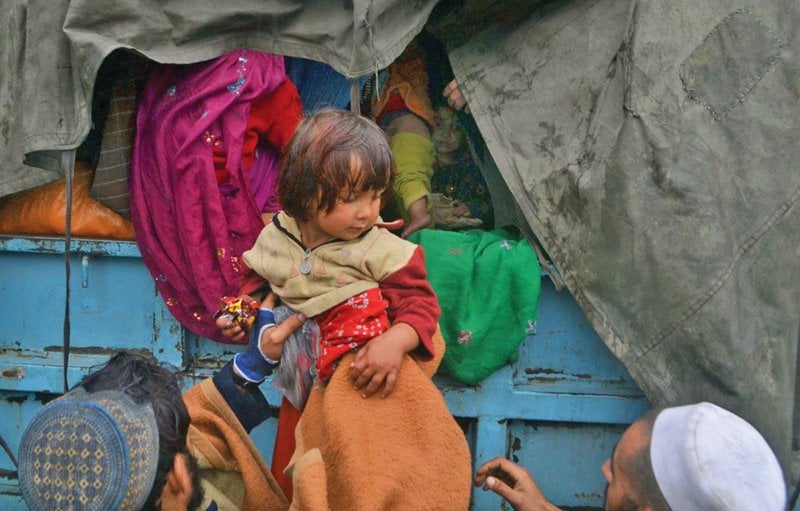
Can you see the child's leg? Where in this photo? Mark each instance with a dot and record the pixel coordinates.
(285, 444)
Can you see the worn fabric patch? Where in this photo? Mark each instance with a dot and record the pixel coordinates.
(725, 68)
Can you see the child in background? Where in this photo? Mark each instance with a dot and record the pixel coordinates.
(404, 111)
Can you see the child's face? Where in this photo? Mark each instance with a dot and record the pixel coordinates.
(351, 216)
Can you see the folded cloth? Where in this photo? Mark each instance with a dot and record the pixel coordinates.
(488, 285)
(402, 452)
(190, 229)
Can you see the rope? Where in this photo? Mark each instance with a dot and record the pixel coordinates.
(68, 166)
(371, 46)
(8, 451)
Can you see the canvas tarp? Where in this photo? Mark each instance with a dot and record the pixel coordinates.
(51, 51)
(650, 146)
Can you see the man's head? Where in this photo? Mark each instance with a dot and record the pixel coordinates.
(693, 458)
(629, 472)
(136, 438)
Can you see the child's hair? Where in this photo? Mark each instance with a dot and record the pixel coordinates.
(333, 154)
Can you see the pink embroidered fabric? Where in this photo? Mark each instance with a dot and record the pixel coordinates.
(190, 230)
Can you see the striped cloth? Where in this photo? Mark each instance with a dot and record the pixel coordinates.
(110, 185)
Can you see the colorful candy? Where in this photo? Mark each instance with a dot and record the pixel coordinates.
(240, 311)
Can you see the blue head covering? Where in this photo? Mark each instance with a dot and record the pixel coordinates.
(95, 451)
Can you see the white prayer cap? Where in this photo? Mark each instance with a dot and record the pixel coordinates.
(707, 459)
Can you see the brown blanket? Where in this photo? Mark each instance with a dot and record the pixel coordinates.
(404, 452)
(233, 471)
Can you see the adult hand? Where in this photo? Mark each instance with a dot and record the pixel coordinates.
(454, 97)
(514, 484)
(419, 217)
(378, 362)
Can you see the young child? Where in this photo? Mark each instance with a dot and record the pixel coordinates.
(327, 256)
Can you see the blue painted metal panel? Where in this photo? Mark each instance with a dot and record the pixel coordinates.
(565, 399)
(566, 355)
(490, 441)
(560, 454)
(113, 305)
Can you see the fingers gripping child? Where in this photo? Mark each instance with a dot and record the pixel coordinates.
(327, 255)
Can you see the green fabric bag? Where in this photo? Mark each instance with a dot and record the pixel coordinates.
(488, 285)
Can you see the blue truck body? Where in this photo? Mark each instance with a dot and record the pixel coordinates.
(558, 410)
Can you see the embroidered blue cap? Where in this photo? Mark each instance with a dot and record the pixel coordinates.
(90, 451)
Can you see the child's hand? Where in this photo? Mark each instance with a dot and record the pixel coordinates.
(228, 327)
(266, 344)
(272, 339)
(454, 96)
(378, 362)
(419, 217)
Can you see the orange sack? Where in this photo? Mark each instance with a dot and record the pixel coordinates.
(42, 211)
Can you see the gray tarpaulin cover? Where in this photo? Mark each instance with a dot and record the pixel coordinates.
(651, 146)
(50, 51)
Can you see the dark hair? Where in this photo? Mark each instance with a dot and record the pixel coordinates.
(146, 381)
(639, 468)
(318, 165)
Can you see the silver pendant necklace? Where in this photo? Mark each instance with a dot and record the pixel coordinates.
(305, 264)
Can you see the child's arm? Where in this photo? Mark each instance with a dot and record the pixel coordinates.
(273, 336)
(412, 301)
(414, 313)
(266, 344)
(273, 118)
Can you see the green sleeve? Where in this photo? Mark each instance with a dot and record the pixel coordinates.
(414, 156)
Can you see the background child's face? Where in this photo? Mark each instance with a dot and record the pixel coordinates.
(351, 216)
